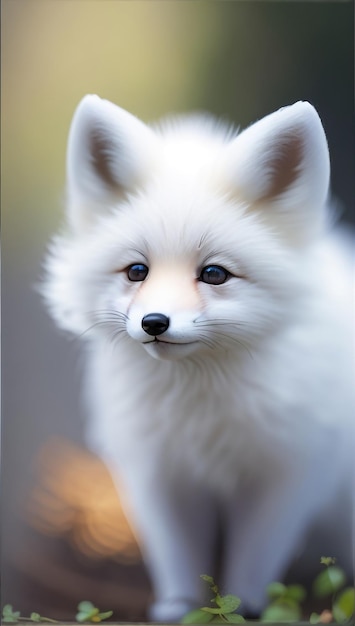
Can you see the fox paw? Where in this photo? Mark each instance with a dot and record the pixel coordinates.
(170, 610)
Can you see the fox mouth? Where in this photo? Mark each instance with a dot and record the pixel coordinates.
(162, 349)
(168, 343)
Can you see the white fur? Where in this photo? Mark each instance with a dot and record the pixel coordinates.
(245, 417)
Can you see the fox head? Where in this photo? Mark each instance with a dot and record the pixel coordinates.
(186, 237)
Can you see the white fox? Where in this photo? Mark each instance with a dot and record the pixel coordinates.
(198, 265)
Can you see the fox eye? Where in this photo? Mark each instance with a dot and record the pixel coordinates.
(214, 275)
(137, 272)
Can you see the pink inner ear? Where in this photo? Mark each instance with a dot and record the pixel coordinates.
(284, 166)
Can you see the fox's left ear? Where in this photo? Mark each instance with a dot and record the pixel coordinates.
(281, 165)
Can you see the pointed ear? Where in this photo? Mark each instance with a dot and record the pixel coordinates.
(281, 165)
(109, 155)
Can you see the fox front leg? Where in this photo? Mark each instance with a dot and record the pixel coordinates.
(266, 526)
(176, 526)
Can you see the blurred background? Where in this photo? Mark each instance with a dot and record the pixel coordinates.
(65, 537)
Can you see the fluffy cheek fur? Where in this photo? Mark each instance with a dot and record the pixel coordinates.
(89, 292)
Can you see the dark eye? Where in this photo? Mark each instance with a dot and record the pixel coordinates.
(137, 272)
(214, 275)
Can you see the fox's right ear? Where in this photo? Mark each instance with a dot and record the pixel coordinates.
(110, 154)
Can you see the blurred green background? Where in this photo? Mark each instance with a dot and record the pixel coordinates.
(238, 60)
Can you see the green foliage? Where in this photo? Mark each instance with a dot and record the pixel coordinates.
(282, 611)
(327, 560)
(277, 591)
(9, 616)
(198, 616)
(329, 581)
(344, 605)
(87, 612)
(325, 617)
(222, 612)
(285, 603)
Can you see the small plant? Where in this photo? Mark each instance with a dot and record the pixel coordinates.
(285, 603)
(330, 583)
(87, 612)
(223, 611)
(9, 616)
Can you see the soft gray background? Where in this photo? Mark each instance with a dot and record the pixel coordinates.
(240, 60)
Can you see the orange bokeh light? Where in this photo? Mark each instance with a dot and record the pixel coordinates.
(75, 497)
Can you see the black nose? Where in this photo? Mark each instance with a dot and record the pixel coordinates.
(155, 323)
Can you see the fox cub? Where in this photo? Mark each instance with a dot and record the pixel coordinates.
(199, 268)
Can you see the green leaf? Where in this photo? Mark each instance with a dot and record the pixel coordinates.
(10, 616)
(210, 581)
(344, 605)
(86, 616)
(228, 603)
(329, 581)
(86, 606)
(314, 618)
(207, 579)
(214, 611)
(328, 560)
(198, 616)
(105, 615)
(35, 617)
(8, 611)
(235, 618)
(275, 590)
(87, 612)
(296, 592)
(281, 612)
